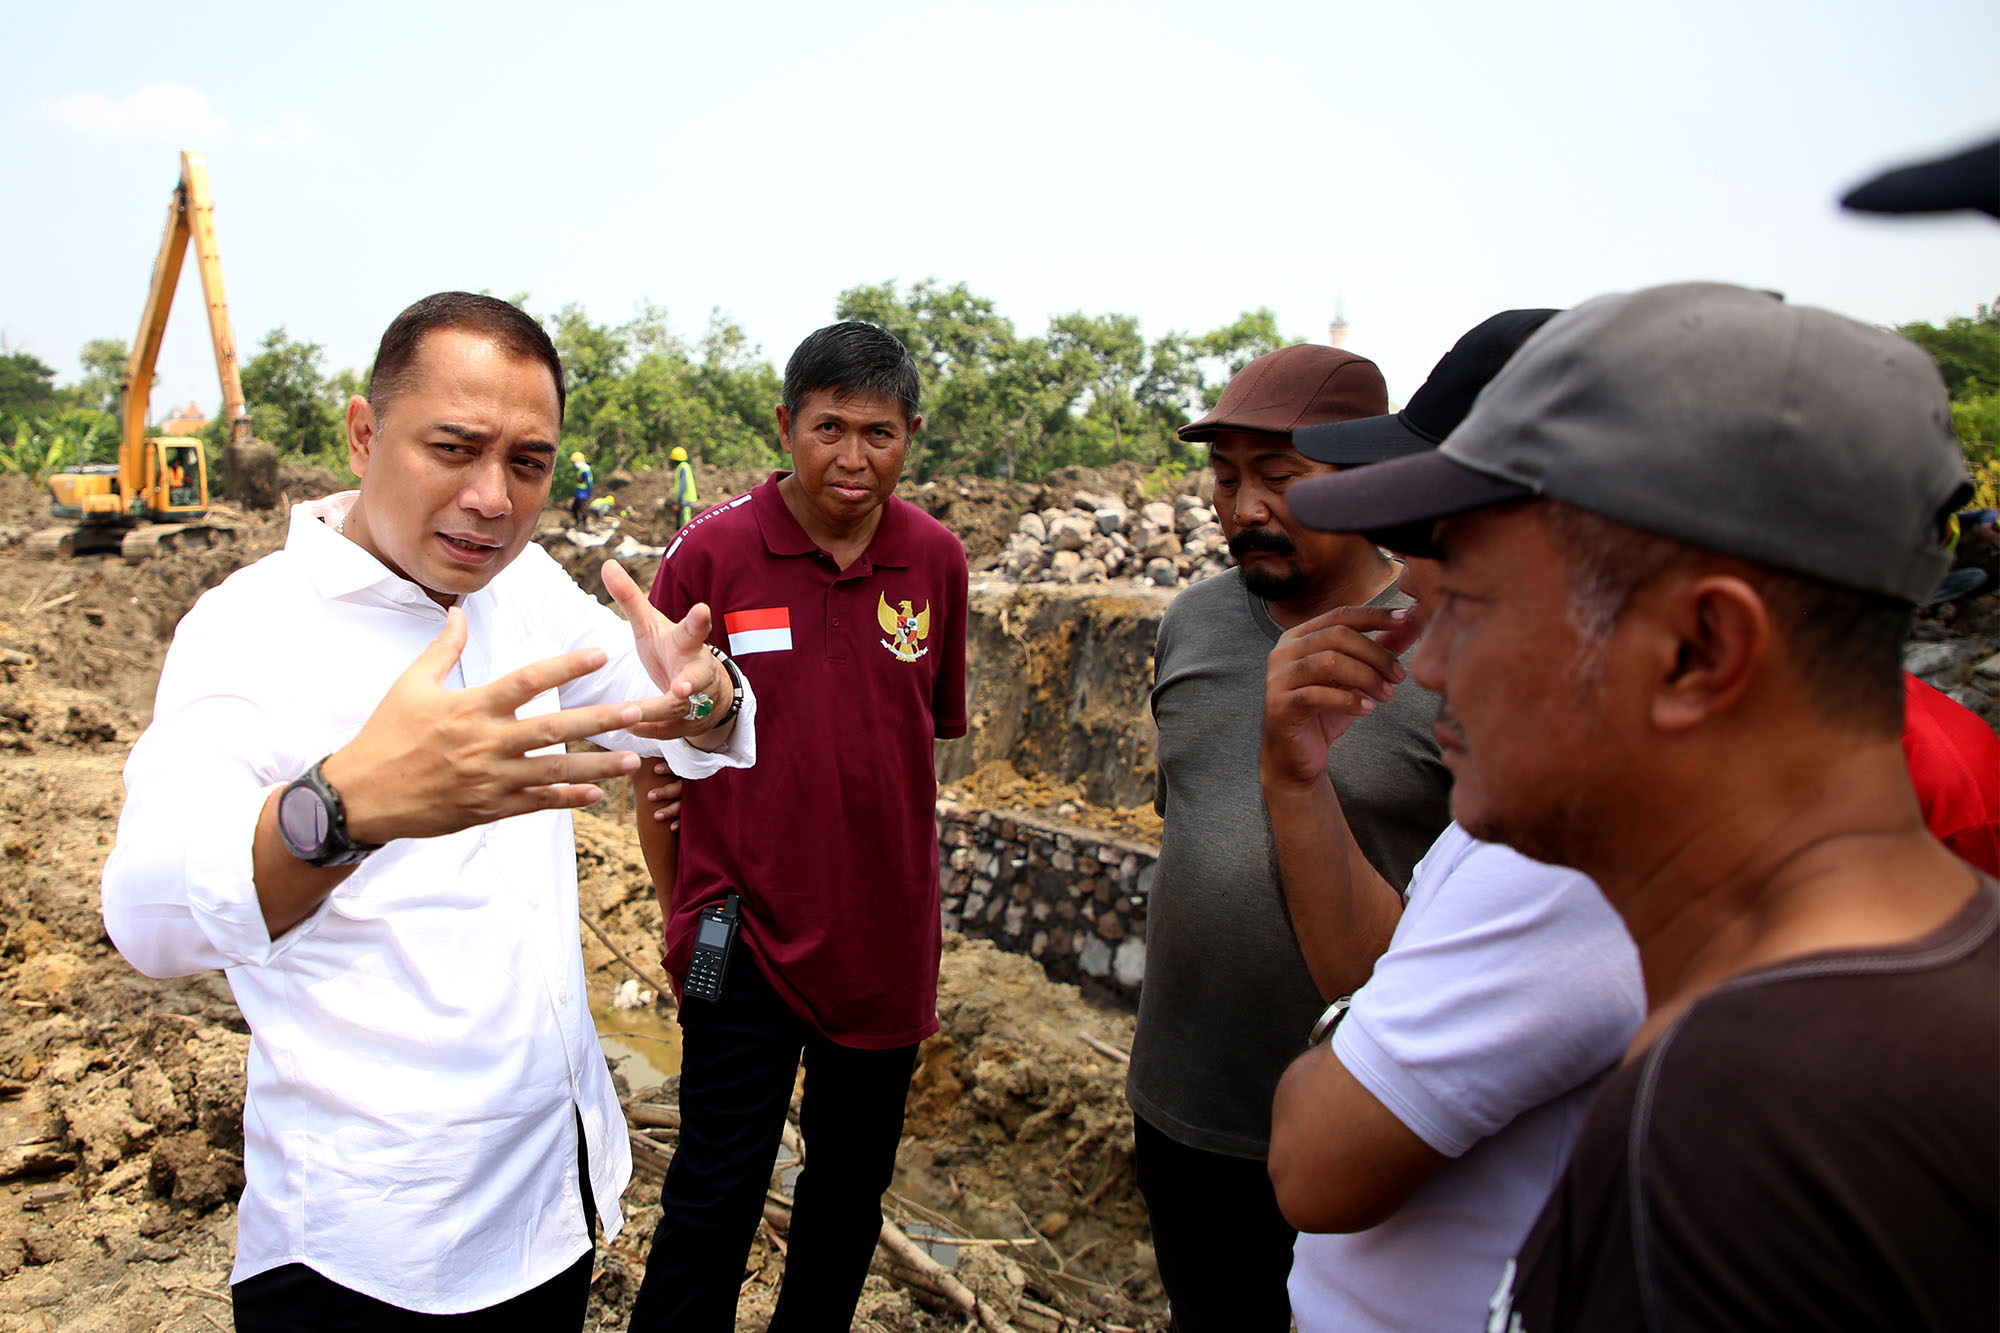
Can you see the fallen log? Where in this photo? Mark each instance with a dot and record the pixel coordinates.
(907, 1254)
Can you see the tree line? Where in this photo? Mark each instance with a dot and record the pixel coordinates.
(1088, 390)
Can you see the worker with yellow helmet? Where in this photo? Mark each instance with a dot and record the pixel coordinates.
(579, 504)
(684, 493)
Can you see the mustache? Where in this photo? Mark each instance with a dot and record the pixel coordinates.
(1450, 723)
(1261, 539)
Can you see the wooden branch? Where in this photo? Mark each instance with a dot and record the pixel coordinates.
(660, 987)
(1105, 1048)
(905, 1253)
(653, 1114)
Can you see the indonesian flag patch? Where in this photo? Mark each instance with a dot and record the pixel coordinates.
(766, 630)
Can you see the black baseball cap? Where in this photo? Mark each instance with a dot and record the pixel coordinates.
(1435, 409)
(1712, 414)
(1967, 180)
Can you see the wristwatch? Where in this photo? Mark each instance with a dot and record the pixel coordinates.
(736, 688)
(313, 822)
(1329, 1020)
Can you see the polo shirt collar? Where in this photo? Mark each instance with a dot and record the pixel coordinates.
(889, 547)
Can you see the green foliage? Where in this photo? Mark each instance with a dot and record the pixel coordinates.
(103, 383)
(294, 406)
(26, 385)
(1090, 391)
(37, 446)
(1968, 352)
(636, 392)
(1976, 421)
(1164, 480)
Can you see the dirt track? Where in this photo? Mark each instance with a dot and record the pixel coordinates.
(120, 1097)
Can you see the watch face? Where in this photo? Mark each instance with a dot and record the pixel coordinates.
(302, 820)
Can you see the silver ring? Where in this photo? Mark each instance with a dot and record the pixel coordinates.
(699, 706)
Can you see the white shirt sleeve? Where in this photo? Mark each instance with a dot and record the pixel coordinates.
(1508, 983)
(623, 678)
(179, 892)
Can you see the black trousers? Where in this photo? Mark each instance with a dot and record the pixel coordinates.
(297, 1299)
(1223, 1247)
(739, 1055)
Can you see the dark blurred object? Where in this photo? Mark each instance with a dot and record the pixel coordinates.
(1970, 179)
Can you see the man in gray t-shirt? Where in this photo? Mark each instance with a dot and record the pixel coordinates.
(1227, 999)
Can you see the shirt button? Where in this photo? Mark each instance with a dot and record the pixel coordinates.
(562, 996)
(836, 622)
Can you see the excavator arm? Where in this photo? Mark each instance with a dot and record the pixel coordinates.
(190, 216)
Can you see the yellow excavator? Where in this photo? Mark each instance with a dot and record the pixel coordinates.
(156, 496)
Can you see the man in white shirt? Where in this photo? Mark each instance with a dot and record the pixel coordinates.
(1414, 1143)
(354, 798)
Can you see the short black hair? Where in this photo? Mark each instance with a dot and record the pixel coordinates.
(852, 357)
(1846, 643)
(513, 329)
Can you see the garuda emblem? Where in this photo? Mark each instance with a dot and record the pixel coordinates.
(906, 628)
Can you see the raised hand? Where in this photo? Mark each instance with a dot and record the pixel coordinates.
(1321, 676)
(675, 654)
(432, 760)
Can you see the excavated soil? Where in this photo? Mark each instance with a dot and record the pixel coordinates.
(121, 1097)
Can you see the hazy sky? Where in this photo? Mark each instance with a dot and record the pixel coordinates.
(1423, 164)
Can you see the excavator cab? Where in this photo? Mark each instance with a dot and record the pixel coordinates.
(179, 488)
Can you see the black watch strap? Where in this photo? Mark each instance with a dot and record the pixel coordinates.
(736, 688)
(312, 819)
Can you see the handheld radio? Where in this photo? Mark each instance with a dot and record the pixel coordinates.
(709, 962)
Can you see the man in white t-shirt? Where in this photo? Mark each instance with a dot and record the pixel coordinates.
(1414, 1142)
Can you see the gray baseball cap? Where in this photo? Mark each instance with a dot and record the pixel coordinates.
(1712, 414)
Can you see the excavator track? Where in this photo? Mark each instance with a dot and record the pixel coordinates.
(51, 544)
(151, 539)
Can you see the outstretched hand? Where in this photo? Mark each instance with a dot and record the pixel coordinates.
(432, 760)
(675, 654)
(1324, 674)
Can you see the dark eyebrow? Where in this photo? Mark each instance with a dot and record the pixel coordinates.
(474, 435)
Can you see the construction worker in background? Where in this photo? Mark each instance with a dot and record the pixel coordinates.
(684, 494)
(579, 504)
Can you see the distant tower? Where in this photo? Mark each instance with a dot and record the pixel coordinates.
(1336, 332)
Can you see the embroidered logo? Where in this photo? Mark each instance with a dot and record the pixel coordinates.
(905, 628)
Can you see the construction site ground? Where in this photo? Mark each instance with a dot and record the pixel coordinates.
(121, 1096)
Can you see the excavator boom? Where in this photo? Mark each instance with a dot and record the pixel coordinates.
(190, 216)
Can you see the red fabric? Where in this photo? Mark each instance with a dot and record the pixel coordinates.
(1954, 761)
(831, 839)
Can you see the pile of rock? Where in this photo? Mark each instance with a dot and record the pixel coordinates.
(1965, 666)
(1100, 537)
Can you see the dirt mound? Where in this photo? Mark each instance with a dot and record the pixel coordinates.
(120, 1097)
(997, 786)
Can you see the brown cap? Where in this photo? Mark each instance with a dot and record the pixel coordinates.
(1302, 385)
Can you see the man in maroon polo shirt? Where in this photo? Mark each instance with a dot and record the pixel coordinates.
(846, 607)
